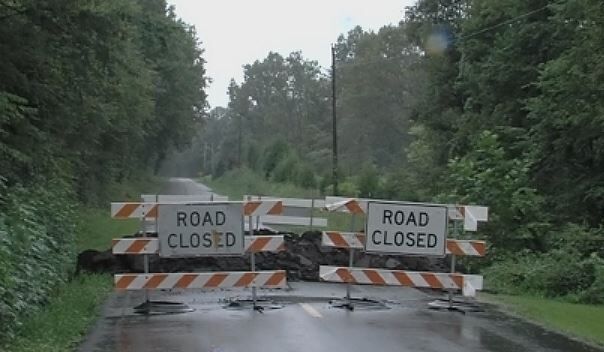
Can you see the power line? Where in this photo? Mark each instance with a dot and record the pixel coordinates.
(471, 35)
(486, 29)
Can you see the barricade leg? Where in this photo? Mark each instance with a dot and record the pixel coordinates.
(348, 303)
(253, 261)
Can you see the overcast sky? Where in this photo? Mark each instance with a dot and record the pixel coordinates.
(238, 32)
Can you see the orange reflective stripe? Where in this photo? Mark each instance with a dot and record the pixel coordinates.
(258, 244)
(124, 282)
(403, 278)
(276, 279)
(337, 239)
(432, 280)
(454, 248)
(250, 207)
(155, 280)
(354, 207)
(216, 280)
(277, 209)
(457, 279)
(374, 277)
(245, 280)
(345, 275)
(480, 247)
(185, 281)
(137, 246)
(126, 210)
(152, 213)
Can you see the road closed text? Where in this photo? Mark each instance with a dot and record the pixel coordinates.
(200, 229)
(406, 229)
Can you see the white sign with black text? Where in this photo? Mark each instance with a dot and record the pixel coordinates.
(406, 228)
(193, 230)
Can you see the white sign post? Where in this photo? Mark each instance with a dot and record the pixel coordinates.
(190, 230)
(400, 228)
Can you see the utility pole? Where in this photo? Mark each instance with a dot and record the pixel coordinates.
(334, 131)
(239, 140)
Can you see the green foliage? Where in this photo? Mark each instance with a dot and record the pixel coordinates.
(567, 117)
(487, 175)
(305, 177)
(273, 155)
(369, 182)
(97, 90)
(37, 242)
(286, 169)
(572, 268)
(238, 182)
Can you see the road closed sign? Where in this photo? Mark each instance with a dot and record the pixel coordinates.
(400, 228)
(194, 230)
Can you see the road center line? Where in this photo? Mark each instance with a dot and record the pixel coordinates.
(311, 310)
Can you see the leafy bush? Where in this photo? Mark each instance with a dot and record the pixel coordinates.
(287, 168)
(36, 248)
(573, 268)
(273, 154)
(306, 177)
(369, 182)
(488, 175)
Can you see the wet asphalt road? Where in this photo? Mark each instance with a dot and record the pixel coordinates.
(304, 320)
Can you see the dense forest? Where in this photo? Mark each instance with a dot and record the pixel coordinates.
(92, 93)
(486, 102)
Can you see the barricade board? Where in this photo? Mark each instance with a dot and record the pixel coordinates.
(194, 230)
(410, 229)
(142, 246)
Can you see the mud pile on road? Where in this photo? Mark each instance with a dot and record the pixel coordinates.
(302, 258)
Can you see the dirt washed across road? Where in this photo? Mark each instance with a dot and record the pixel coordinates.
(302, 318)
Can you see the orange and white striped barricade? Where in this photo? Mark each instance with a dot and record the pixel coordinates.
(141, 246)
(379, 222)
(139, 210)
(208, 281)
(343, 239)
(355, 207)
(296, 212)
(178, 213)
(257, 208)
(185, 198)
(133, 210)
(262, 207)
(468, 284)
(338, 239)
(468, 248)
(470, 214)
(346, 205)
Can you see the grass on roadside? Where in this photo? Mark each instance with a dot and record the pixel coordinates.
(59, 325)
(239, 182)
(583, 321)
(97, 229)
